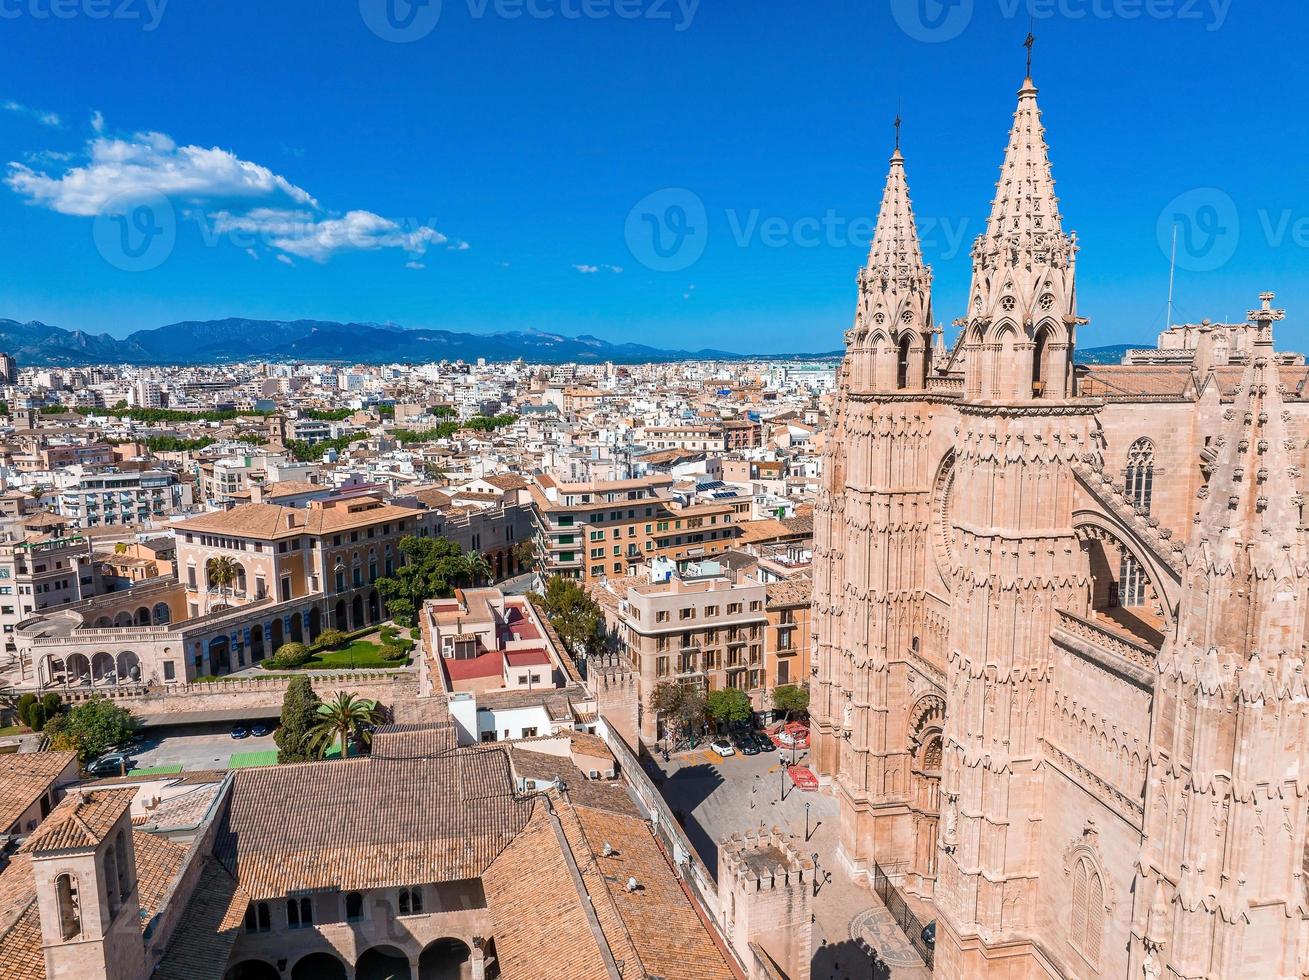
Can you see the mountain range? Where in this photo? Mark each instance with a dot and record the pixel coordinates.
(238, 339)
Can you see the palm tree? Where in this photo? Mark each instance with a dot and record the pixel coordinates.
(434, 471)
(345, 715)
(222, 572)
(478, 568)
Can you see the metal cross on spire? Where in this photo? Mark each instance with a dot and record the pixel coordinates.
(1029, 44)
(897, 124)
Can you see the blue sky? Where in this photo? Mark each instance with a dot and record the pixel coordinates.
(510, 167)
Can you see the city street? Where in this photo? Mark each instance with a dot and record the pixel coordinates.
(718, 797)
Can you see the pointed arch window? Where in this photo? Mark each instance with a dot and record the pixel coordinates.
(1086, 927)
(70, 906)
(902, 363)
(1131, 581)
(1140, 474)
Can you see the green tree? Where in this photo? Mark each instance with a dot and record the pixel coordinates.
(91, 728)
(222, 572)
(25, 703)
(729, 706)
(791, 699)
(576, 617)
(344, 716)
(479, 569)
(433, 567)
(290, 655)
(681, 707)
(299, 716)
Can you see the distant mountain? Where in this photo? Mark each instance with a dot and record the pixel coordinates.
(236, 339)
(1105, 355)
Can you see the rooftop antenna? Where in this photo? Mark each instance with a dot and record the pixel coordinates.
(1172, 275)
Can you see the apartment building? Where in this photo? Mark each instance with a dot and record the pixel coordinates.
(697, 626)
(592, 530)
(40, 570)
(102, 498)
(721, 437)
(787, 649)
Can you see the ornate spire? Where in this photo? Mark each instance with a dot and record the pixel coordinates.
(895, 295)
(1023, 274)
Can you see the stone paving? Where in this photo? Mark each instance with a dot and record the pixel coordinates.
(719, 797)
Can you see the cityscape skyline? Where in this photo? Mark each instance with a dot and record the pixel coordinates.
(531, 223)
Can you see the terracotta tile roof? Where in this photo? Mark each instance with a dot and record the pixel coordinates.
(669, 936)
(81, 820)
(214, 917)
(764, 529)
(21, 955)
(489, 664)
(270, 520)
(371, 823)
(508, 481)
(24, 776)
(158, 863)
(532, 874)
(791, 592)
(413, 740)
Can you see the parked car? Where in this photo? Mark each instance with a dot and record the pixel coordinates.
(745, 744)
(113, 764)
(763, 742)
(723, 746)
(261, 728)
(240, 731)
(929, 934)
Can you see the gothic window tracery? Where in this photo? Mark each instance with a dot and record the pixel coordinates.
(1086, 925)
(1140, 474)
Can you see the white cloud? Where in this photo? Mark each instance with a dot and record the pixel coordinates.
(252, 253)
(285, 260)
(411, 264)
(45, 118)
(310, 236)
(147, 164)
(614, 268)
(587, 269)
(460, 246)
(97, 120)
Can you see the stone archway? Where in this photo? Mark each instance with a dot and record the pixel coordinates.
(257, 650)
(374, 607)
(142, 617)
(341, 620)
(124, 618)
(297, 628)
(129, 667)
(318, 966)
(77, 667)
(103, 667)
(252, 970)
(277, 634)
(220, 656)
(926, 725)
(315, 623)
(357, 612)
(446, 959)
(162, 614)
(102, 623)
(383, 963)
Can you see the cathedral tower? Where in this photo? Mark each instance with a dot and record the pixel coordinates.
(1016, 561)
(1220, 880)
(871, 530)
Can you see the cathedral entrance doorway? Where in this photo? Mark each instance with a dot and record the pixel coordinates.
(925, 744)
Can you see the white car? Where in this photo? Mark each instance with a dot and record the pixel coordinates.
(723, 747)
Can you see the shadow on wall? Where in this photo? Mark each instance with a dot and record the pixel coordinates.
(685, 790)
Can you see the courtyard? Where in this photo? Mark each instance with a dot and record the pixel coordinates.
(715, 798)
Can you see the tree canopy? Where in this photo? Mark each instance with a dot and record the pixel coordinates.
(91, 728)
(576, 617)
(433, 567)
(681, 707)
(791, 699)
(299, 716)
(729, 705)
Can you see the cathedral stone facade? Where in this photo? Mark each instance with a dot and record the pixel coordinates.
(1059, 684)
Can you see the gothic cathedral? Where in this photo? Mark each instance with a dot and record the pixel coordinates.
(1060, 610)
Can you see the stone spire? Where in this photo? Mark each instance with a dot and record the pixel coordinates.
(1023, 274)
(1226, 809)
(895, 294)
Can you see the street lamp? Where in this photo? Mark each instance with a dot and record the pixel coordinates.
(806, 823)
